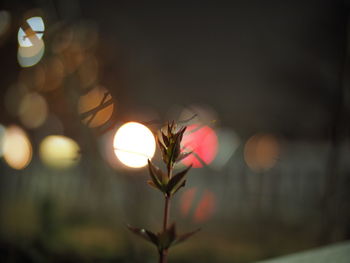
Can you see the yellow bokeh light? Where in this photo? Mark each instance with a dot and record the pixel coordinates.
(59, 151)
(134, 144)
(17, 149)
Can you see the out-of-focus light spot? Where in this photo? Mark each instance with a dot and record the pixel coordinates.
(203, 141)
(88, 71)
(86, 34)
(33, 77)
(59, 151)
(72, 57)
(31, 32)
(5, 19)
(205, 207)
(13, 97)
(261, 152)
(53, 70)
(203, 114)
(92, 100)
(228, 144)
(30, 56)
(134, 144)
(52, 125)
(200, 205)
(2, 137)
(62, 40)
(187, 200)
(33, 110)
(17, 148)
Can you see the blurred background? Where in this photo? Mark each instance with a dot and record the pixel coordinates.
(262, 85)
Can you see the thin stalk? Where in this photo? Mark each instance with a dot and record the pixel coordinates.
(166, 212)
(163, 253)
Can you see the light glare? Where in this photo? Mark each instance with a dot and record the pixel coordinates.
(134, 144)
(17, 148)
(59, 151)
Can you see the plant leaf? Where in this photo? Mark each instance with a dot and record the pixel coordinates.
(165, 139)
(183, 156)
(163, 149)
(145, 234)
(178, 188)
(177, 180)
(154, 174)
(152, 184)
(185, 236)
(167, 238)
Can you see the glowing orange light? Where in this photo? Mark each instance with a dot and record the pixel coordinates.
(17, 148)
(93, 99)
(204, 144)
(261, 152)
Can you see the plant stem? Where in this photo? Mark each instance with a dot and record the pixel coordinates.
(166, 212)
(163, 253)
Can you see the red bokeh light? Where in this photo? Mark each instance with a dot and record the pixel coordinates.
(200, 205)
(204, 144)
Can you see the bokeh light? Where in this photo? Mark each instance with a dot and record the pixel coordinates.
(88, 71)
(200, 205)
(30, 56)
(51, 74)
(58, 151)
(13, 97)
(134, 144)
(92, 100)
(5, 19)
(2, 137)
(228, 144)
(33, 110)
(17, 149)
(261, 152)
(203, 141)
(32, 31)
(31, 46)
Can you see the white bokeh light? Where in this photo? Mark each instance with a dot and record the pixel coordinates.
(36, 24)
(133, 144)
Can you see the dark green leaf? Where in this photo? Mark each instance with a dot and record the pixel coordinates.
(165, 139)
(152, 184)
(145, 234)
(181, 132)
(170, 128)
(184, 237)
(177, 180)
(163, 149)
(154, 173)
(183, 156)
(167, 238)
(178, 187)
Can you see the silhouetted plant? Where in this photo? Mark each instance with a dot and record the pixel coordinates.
(168, 184)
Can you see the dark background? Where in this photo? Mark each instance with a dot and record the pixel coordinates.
(261, 67)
